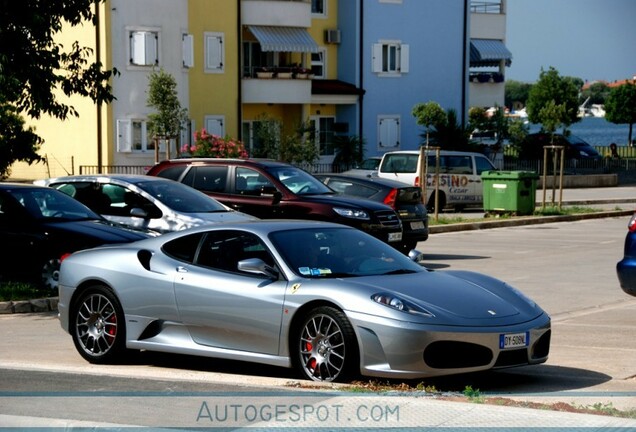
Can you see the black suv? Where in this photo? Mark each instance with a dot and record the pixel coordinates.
(275, 190)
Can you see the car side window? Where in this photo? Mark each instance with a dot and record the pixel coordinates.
(172, 173)
(250, 182)
(222, 250)
(207, 178)
(483, 164)
(183, 248)
(460, 165)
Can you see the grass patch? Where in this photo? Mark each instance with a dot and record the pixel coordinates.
(14, 291)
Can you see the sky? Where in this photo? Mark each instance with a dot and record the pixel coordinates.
(589, 39)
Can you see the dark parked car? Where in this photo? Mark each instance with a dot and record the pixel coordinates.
(626, 268)
(405, 199)
(40, 225)
(275, 190)
(574, 147)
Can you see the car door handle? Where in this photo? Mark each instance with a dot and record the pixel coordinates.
(181, 269)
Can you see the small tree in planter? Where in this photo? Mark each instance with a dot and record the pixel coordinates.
(168, 121)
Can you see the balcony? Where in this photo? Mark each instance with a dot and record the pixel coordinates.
(284, 13)
(280, 86)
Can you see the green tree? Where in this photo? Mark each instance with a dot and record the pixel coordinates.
(516, 92)
(35, 70)
(429, 115)
(562, 91)
(168, 121)
(449, 134)
(620, 107)
(349, 151)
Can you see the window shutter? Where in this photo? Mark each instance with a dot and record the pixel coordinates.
(214, 126)
(188, 50)
(404, 58)
(143, 48)
(124, 137)
(376, 58)
(389, 132)
(213, 53)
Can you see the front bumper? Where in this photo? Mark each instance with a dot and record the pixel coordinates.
(390, 348)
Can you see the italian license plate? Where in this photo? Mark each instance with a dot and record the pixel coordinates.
(393, 237)
(514, 340)
(417, 225)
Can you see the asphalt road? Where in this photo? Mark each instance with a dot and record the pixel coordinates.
(568, 268)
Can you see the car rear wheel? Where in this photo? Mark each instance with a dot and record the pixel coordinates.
(98, 327)
(430, 206)
(326, 348)
(51, 274)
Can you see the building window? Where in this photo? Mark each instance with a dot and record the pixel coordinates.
(143, 47)
(388, 132)
(390, 58)
(254, 58)
(323, 128)
(132, 136)
(214, 53)
(318, 66)
(319, 8)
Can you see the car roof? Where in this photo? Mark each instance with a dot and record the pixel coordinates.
(432, 152)
(369, 180)
(17, 185)
(129, 178)
(222, 161)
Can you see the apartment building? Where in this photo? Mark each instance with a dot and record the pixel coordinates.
(349, 67)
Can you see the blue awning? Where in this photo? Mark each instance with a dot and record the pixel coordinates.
(284, 39)
(488, 52)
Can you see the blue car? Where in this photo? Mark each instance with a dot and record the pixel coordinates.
(626, 268)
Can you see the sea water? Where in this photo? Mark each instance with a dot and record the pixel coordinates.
(597, 131)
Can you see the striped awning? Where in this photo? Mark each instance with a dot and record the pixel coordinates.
(284, 39)
(488, 52)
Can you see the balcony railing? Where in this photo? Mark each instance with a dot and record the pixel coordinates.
(487, 7)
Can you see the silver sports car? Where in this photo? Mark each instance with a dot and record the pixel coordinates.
(327, 299)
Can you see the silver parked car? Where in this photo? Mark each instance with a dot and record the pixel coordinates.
(328, 299)
(140, 201)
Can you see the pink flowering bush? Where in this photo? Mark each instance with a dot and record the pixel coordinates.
(208, 145)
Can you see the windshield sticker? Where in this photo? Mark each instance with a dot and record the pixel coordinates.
(306, 271)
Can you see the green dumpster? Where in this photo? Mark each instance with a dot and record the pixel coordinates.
(509, 191)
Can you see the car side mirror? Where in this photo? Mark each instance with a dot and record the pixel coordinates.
(257, 266)
(416, 256)
(138, 212)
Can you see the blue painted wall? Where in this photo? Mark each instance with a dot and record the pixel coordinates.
(434, 31)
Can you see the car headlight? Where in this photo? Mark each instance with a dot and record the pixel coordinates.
(351, 213)
(394, 302)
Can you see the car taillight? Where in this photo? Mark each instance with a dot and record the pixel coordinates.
(64, 256)
(391, 198)
(631, 226)
(417, 181)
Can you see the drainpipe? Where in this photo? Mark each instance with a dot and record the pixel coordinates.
(464, 64)
(361, 71)
(239, 108)
(99, 105)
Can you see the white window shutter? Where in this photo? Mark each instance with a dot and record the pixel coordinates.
(152, 57)
(188, 50)
(124, 137)
(213, 53)
(376, 58)
(143, 48)
(404, 58)
(215, 126)
(389, 132)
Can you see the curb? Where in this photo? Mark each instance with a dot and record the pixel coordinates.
(524, 220)
(28, 306)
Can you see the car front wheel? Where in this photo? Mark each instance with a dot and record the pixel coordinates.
(98, 326)
(326, 346)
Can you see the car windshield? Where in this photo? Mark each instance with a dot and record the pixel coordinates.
(299, 182)
(370, 164)
(181, 198)
(339, 252)
(52, 204)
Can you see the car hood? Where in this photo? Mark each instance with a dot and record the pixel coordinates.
(458, 298)
(98, 230)
(346, 201)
